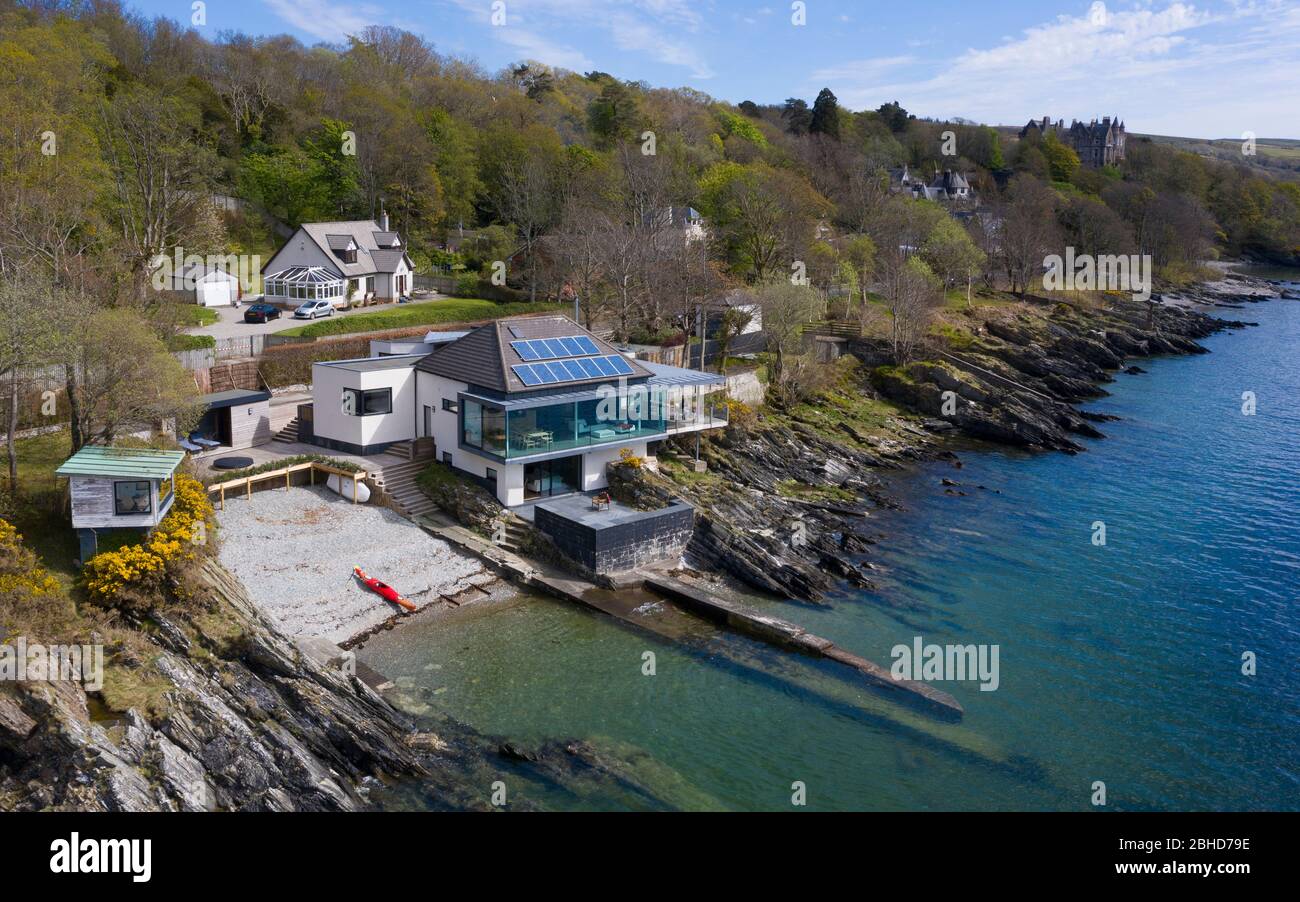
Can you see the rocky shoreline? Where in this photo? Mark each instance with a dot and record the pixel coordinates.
(1019, 381)
(251, 722)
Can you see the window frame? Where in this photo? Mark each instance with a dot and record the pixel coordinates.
(117, 509)
(360, 408)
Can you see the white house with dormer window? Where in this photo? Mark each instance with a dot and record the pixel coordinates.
(344, 263)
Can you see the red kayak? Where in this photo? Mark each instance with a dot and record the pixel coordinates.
(383, 590)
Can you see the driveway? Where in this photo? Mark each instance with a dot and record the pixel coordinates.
(231, 323)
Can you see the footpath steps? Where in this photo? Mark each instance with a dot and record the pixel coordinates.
(399, 483)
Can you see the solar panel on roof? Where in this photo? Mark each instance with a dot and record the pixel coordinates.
(554, 348)
(526, 374)
(575, 370)
(524, 350)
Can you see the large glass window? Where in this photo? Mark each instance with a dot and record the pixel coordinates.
(484, 427)
(472, 424)
(494, 430)
(132, 498)
(359, 403)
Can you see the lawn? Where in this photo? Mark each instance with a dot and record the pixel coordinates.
(192, 315)
(38, 512)
(450, 310)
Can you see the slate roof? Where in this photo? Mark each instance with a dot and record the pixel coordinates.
(387, 260)
(484, 357)
(374, 253)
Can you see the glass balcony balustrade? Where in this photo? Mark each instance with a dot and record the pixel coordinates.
(578, 425)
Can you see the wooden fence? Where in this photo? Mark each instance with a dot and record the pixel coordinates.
(239, 347)
(285, 473)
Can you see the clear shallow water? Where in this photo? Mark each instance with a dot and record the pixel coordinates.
(1118, 663)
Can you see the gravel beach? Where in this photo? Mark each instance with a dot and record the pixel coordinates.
(295, 551)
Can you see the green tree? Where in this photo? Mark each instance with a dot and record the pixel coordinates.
(797, 116)
(952, 255)
(1062, 161)
(825, 115)
(335, 168)
(615, 114)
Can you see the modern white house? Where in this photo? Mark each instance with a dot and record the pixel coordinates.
(530, 407)
(340, 262)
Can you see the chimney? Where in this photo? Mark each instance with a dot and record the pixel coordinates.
(383, 218)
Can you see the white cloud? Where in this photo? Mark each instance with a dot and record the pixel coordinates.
(1176, 69)
(650, 28)
(326, 20)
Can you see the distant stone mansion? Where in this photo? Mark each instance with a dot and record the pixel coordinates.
(1097, 143)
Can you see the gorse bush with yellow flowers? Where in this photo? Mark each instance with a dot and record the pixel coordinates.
(32, 602)
(131, 576)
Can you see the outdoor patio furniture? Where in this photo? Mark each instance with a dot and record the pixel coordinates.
(538, 438)
(205, 442)
(189, 446)
(602, 432)
(600, 502)
(232, 463)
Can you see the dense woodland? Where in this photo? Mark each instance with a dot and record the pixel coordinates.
(117, 130)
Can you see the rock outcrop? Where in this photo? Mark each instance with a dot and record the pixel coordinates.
(1017, 382)
(248, 723)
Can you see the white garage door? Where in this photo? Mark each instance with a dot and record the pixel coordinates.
(215, 293)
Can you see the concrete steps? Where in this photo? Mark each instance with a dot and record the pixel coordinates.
(517, 530)
(399, 483)
(289, 433)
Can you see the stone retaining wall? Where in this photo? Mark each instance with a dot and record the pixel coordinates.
(645, 538)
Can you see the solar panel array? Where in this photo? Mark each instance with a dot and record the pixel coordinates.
(531, 374)
(555, 348)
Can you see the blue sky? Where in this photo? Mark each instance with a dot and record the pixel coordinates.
(1209, 69)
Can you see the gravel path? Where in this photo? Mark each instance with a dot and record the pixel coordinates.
(295, 551)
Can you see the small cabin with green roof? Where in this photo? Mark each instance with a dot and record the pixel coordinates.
(118, 488)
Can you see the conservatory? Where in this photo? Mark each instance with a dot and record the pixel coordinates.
(305, 283)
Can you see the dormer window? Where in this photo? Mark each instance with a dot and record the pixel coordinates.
(350, 255)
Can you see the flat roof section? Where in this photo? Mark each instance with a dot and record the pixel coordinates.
(234, 397)
(367, 364)
(662, 374)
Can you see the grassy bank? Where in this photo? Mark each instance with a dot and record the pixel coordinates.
(451, 310)
(37, 511)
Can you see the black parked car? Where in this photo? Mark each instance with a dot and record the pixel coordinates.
(261, 313)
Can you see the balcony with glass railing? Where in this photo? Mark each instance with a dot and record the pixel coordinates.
(583, 424)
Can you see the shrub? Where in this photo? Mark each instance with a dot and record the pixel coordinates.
(467, 285)
(627, 459)
(32, 601)
(280, 463)
(132, 576)
(186, 342)
(740, 415)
